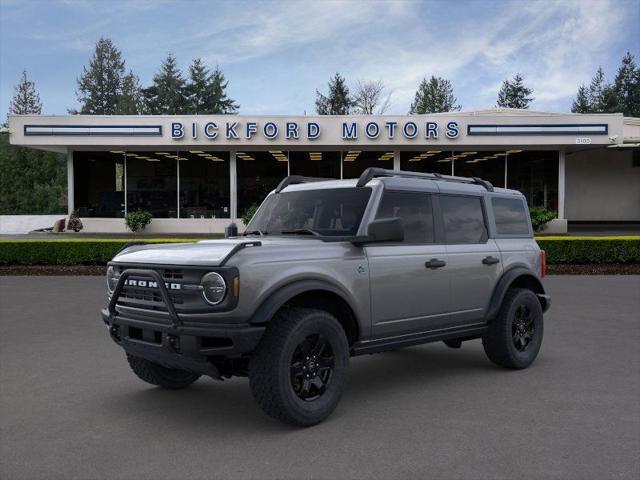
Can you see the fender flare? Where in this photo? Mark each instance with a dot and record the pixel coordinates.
(282, 295)
(505, 282)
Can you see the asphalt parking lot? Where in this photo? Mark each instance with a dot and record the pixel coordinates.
(71, 409)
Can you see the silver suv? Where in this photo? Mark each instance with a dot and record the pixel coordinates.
(329, 269)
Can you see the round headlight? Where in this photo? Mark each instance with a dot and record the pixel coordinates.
(112, 279)
(213, 288)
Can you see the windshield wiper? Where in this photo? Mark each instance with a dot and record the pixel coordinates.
(300, 231)
(254, 232)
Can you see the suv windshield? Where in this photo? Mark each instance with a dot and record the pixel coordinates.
(326, 212)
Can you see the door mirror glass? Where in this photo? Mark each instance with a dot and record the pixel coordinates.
(385, 230)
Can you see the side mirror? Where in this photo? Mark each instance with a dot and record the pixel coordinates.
(385, 230)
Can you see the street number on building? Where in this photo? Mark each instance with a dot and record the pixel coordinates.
(583, 141)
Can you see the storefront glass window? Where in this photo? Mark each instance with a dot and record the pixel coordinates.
(99, 184)
(354, 162)
(258, 174)
(204, 184)
(535, 174)
(315, 164)
(152, 183)
(427, 161)
(488, 165)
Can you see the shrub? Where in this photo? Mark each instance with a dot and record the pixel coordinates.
(540, 216)
(73, 251)
(249, 213)
(76, 251)
(74, 223)
(590, 250)
(137, 220)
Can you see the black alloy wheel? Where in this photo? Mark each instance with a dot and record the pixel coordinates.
(522, 328)
(312, 367)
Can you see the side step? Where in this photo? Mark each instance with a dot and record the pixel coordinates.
(391, 343)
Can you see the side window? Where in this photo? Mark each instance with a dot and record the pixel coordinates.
(415, 211)
(463, 219)
(511, 216)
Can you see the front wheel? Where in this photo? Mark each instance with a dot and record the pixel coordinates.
(514, 337)
(299, 370)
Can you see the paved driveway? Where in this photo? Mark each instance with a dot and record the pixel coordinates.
(70, 408)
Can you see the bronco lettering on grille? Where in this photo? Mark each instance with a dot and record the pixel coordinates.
(150, 284)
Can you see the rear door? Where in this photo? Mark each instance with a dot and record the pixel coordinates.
(474, 259)
(409, 279)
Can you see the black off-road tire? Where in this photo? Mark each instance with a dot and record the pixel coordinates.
(271, 368)
(498, 341)
(161, 376)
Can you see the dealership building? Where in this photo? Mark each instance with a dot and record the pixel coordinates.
(197, 173)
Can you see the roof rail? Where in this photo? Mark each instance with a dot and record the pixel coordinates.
(296, 179)
(373, 172)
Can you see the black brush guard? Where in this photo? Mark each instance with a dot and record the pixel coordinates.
(180, 345)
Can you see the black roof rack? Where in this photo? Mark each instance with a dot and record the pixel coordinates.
(373, 172)
(296, 179)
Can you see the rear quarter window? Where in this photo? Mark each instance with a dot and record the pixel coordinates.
(511, 216)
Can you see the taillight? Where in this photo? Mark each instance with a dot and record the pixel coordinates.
(543, 264)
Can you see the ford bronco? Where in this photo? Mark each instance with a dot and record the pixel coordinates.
(329, 269)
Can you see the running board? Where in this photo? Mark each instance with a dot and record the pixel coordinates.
(391, 343)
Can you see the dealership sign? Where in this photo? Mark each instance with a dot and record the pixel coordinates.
(292, 130)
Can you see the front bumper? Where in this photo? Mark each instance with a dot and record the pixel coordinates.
(185, 347)
(176, 344)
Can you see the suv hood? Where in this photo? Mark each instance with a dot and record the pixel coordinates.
(207, 252)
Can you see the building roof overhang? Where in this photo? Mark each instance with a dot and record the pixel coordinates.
(479, 128)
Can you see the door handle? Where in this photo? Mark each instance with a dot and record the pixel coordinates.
(490, 260)
(435, 263)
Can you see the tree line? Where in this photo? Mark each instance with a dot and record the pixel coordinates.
(33, 181)
(435, 95)
(106, 88)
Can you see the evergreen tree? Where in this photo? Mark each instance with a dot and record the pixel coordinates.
(206, 91)
(433, 96)
(130, 101)
(218, 100)
(99, 86)
(196, 89)
(596, 91)
(167, 95)
(627, 86)
(581, 104)
(514, 94)
(31, 181)
(338, 101)
(25, 99)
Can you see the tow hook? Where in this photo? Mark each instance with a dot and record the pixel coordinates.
(174, 343)
(114, 330)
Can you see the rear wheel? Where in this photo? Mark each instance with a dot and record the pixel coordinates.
(156, 374)
(514, 337)
(299, 370)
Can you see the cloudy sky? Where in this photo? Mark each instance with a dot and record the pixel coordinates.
(275, 54)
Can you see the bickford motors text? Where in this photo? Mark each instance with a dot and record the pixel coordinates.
(349, 130)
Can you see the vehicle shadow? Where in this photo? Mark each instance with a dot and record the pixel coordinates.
(229, 406)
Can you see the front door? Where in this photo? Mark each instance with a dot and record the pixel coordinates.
(409, 279)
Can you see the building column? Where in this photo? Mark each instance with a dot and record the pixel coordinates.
(70, 183)
(561, 182)
(559, 225)
(396, 159)
(233, 186)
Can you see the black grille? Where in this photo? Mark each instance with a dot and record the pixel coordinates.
(151, 298)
